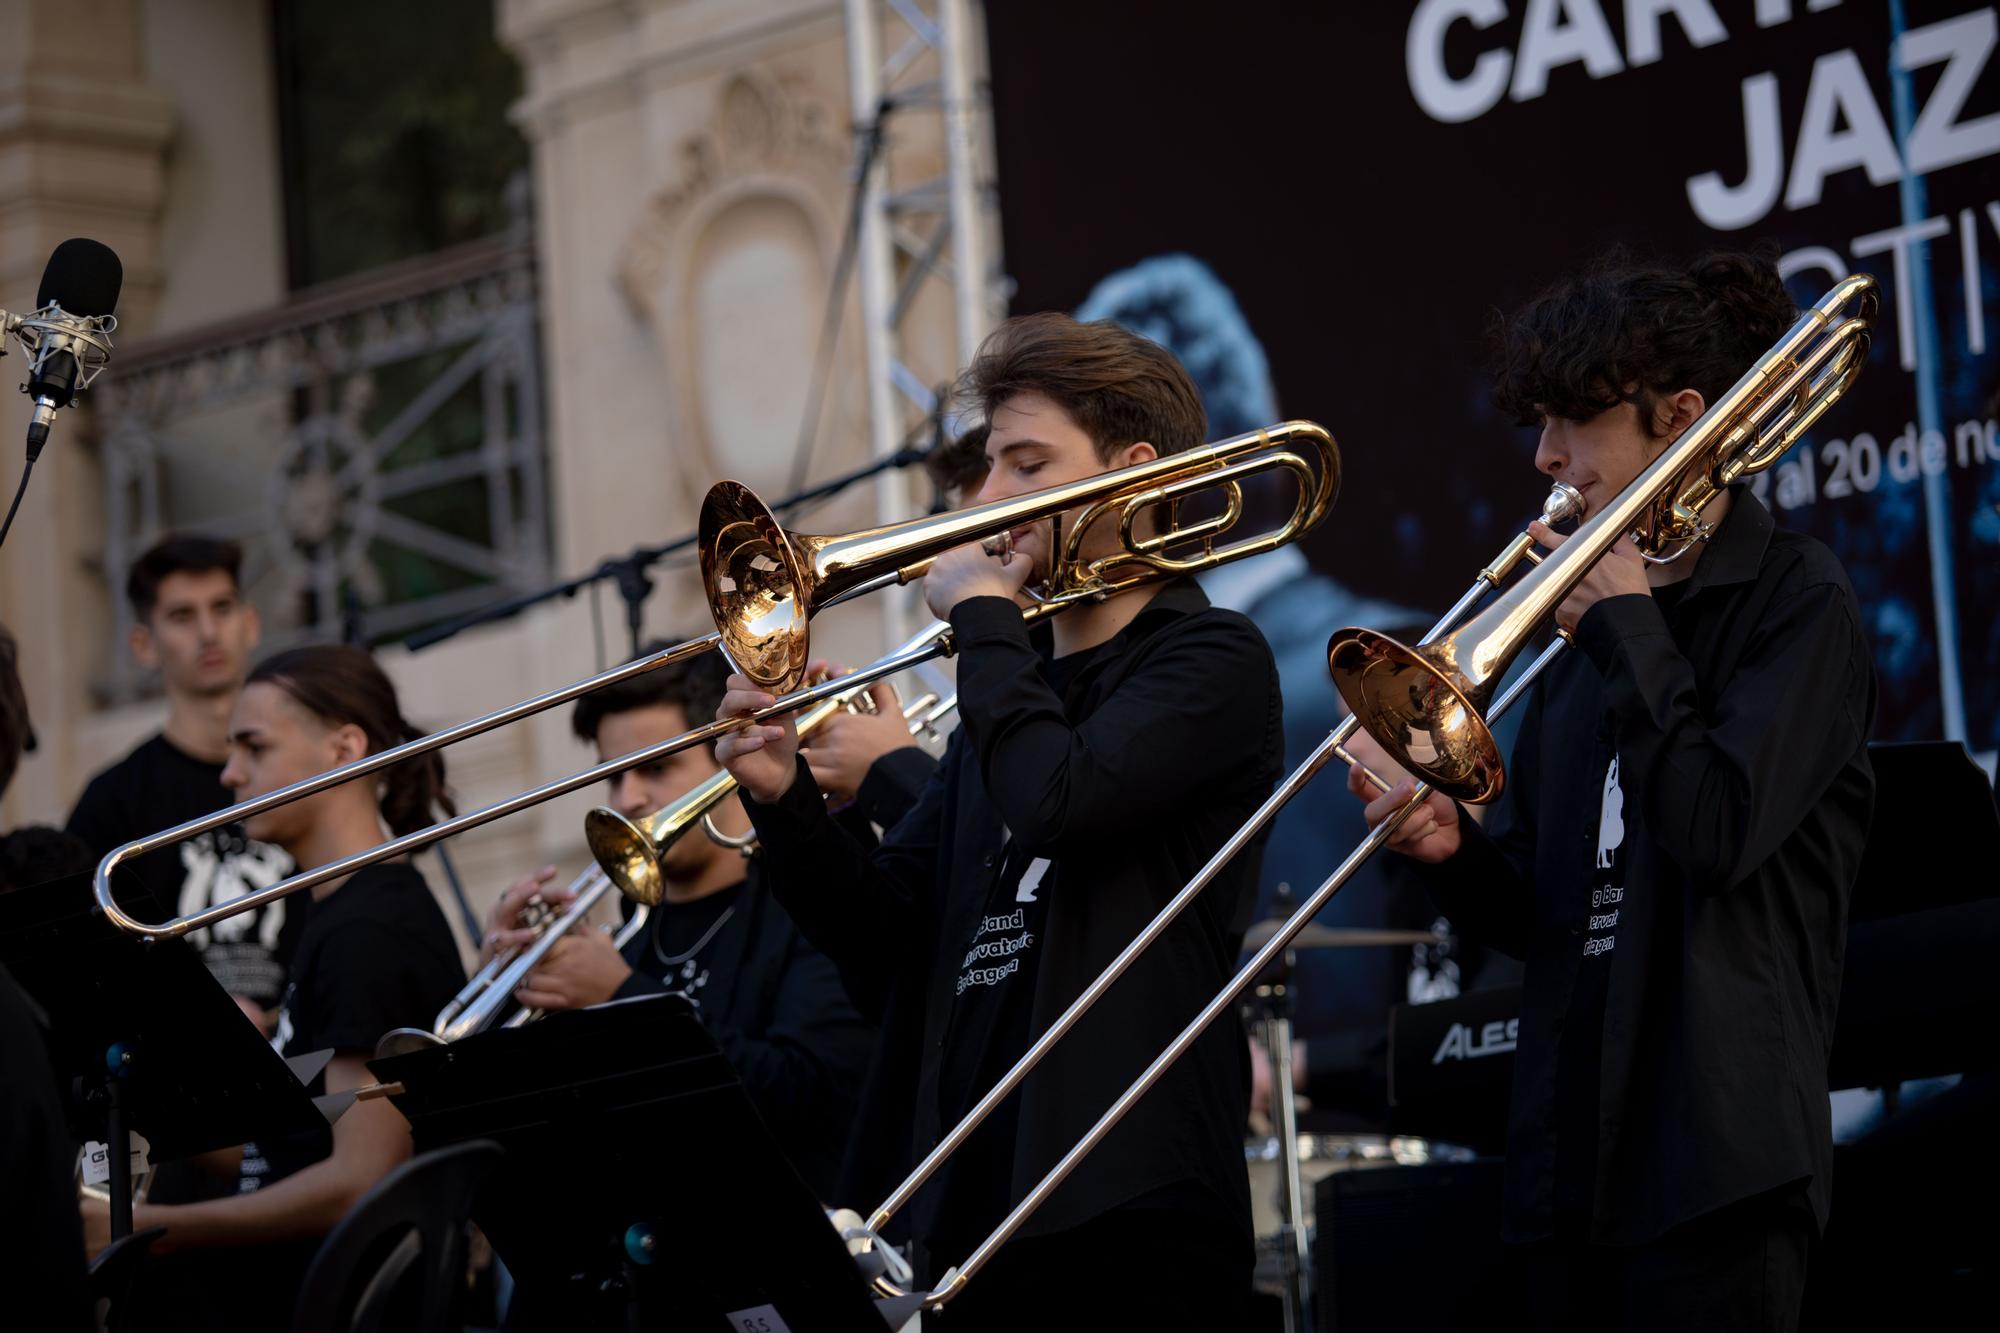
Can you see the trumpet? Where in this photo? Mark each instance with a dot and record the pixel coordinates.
(628, 856)
(631, 852)
(1430, 699)
(487, 993)
(763, 586)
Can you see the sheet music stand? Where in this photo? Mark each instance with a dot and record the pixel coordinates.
(143, 1038)
(640, 1185)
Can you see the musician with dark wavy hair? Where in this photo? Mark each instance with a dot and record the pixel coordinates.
(1100, 759)
(1684, 817)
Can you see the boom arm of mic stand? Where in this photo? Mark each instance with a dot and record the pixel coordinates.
(629, 570)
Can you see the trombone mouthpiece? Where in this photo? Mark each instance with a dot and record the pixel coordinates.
(1564, 503)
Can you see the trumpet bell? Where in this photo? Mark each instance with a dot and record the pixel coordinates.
(625, 853)
(1421, 709)
(760, 588)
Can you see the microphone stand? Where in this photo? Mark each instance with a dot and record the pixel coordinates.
(628, 572)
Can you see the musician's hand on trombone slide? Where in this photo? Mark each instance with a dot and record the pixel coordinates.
(1431, 834)
(763, 759)
(511, 922)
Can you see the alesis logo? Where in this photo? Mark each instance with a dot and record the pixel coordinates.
(1460, 1043)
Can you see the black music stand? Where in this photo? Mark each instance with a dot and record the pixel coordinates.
(143, 1038)
(1915, 998)
(640, 1187)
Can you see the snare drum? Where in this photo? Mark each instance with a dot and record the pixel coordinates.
(1320, 1155)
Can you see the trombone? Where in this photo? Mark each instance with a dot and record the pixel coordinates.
(1424, 704)
(628, 855)
(764, 584)
(631, 852)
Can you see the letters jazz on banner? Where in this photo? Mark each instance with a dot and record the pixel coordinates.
(1340, 196)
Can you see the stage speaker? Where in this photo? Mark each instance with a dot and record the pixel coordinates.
(1415, 1249)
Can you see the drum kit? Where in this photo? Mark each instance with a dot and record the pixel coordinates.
(1285, 1165)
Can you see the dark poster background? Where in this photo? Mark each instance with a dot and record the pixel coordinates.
(1367, 244)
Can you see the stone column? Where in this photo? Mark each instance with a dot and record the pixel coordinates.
(691, 167)
(83, 138)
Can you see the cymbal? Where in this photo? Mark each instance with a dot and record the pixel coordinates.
(1316, 936)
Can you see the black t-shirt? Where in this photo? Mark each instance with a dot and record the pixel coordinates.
(1580, 1047)
(375, 954)
(992, 1004)
(158, 786)
(677, 947)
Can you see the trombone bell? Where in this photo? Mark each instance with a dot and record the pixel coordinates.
(1425, 712)
(755, 583)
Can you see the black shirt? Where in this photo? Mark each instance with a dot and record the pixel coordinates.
(158, 786)
(992, 1005)
(1738, 719)
(375, 954)
(1580, 1054)
(1126, 782)
(890, 787)
(674, 948)
(774, 1005)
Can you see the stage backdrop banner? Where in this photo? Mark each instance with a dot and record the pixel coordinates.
(1322, 207)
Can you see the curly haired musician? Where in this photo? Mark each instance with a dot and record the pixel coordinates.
(1686, 807)
(1100, 759)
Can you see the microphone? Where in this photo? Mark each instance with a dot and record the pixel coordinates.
(68, 333)
(67, 338)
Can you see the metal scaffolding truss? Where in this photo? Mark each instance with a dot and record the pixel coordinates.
(911, 61)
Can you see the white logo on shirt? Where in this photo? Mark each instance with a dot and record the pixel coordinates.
(1611, 817)
(210, 876)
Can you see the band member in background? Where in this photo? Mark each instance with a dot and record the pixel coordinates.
(193, 625)
(1100, 758)
(41, 1254)
(773, 1003)
(1687, 802)
(375, 954)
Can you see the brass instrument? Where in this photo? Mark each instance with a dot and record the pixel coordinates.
(1440, 685)
(633, 855)
(631, 852)
(488, 992)
(764, 583)
(1425, 704)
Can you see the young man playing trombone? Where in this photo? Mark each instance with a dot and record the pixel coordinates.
(1099, 761)
(1685, 811)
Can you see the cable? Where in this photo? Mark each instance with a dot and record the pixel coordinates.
(19, 491)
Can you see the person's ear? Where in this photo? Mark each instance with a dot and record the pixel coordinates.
(144, 651)
(347, 743)
(1681, 411)
(1133, 454)
(254, 626)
